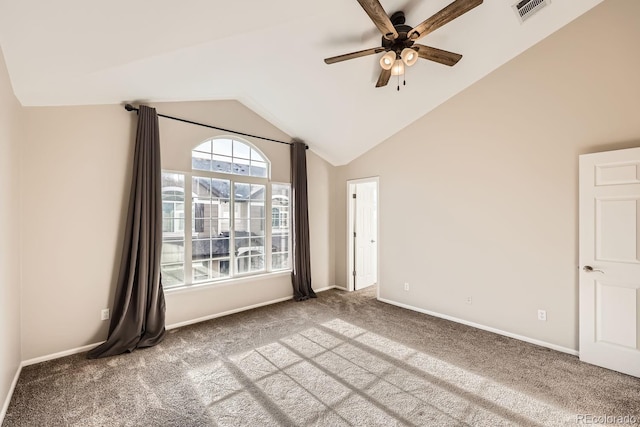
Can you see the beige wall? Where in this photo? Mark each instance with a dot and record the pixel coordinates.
(75, 188)
(10, 137)
(479, 197)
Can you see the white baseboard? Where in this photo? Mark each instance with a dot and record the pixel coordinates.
(60, 354)
(235, 310)
(324, 289)
(5, 407)
(225, 313)
(484, 328)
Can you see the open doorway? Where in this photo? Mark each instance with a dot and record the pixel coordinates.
(362, 232)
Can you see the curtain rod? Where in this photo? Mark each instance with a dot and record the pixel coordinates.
(130, 107)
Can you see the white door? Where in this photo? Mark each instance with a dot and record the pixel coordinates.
(610, 260)
(366, 239)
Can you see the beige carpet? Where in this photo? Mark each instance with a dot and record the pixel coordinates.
(343, 359)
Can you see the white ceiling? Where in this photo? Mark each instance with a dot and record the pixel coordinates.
(267, 54)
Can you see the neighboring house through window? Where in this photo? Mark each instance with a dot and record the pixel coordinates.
(230, 202)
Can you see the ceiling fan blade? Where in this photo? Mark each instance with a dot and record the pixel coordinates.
(385, 75)
(446, 15)
(353, 55)
(379, 17)
(437, 55)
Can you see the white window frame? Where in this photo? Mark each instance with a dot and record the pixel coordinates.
(233, 179)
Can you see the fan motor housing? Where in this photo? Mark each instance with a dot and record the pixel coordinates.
(402, 41)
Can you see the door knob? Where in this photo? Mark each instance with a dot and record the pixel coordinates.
(590, 269)
(373, 241)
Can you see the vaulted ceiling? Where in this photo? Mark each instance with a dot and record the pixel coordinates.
(267, 54)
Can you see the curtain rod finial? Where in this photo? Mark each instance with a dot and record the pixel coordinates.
(296, 139)
(129, 107)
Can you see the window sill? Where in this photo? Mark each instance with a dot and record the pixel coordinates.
(226, 282)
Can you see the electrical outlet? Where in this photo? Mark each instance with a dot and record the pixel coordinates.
(104, 314)
(406, 286)
(542, 315)
(469, 300)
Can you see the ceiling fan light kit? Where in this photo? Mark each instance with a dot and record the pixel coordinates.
(387, 60)
(409, 56)
(398, 68)
(399, 40)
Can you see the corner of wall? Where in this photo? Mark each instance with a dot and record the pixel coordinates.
(11, 139)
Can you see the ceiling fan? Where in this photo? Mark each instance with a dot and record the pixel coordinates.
(399, 40)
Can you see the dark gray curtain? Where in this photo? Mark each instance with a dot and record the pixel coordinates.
(301, 274)
(137, 319)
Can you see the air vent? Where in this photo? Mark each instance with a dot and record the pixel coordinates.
(527, 8)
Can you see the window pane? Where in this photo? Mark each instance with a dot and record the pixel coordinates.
(201, 187)
(172, 252)
(280, 261)
(249, 264)
(257, 227)
(219, 268)
(172, 228)
(259, 169)
(216, 209)
(221, 164)
(200, 271)
(220, 248)
(172, 275)
(256, 156)
(220, 227)
(204, 147)
(244, 264)
(221, 188)
(222, 147)
(172, 186)
(201, 249)
(257, 210)
(280, 242)
(241, 168)
(257, 244)
(242, 245)
(177, 209)
(201, 161)
(241, 150)
(201, 208)
(242, 191)
(257, 192)
(202, 228)
(280, 191)
(241, 227)
(257, 263)
(241, 209)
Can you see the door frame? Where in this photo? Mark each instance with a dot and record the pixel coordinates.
(351, 216)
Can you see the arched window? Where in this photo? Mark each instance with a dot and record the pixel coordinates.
(225, 155)
(239, 220)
